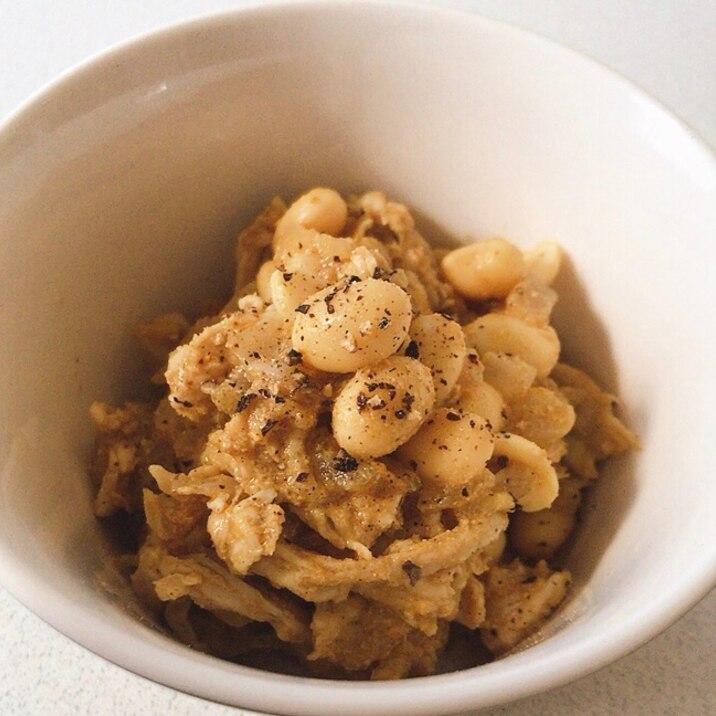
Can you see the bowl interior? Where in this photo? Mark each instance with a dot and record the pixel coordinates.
(124, 185)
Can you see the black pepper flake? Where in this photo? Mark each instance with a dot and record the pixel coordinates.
(267, 426)
(413, 571)
(301, 477)
(327, 300)
(383, 323)
(408, 400)
(244, 401)
(413, 351)
(400, 414)
(264, 393)
(501, 461)
(303, 308)
(353, 279)
(374, 386)
(361, 402)
(185, 403)
(464, 492)
(343, 462)
(454, 417)
(294, 357)
(287, 276)
(472, 357)
(279, 399)
(255, 354)
(378, 272)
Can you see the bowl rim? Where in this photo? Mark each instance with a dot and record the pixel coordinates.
(91, 62)
(166, 664)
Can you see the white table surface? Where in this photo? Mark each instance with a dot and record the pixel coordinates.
(668, 47)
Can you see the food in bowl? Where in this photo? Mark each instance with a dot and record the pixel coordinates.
(370, 443)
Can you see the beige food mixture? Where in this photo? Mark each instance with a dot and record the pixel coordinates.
(370, 445)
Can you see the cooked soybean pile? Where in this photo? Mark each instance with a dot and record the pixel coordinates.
(373, 440)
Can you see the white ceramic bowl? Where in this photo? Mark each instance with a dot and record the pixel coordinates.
(124, 182)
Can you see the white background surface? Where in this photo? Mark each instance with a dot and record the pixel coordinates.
(665, 46)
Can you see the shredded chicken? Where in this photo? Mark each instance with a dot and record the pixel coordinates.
(518, 600)
(598, 433)
(323, 477)
(245, 531)
(211, 586)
